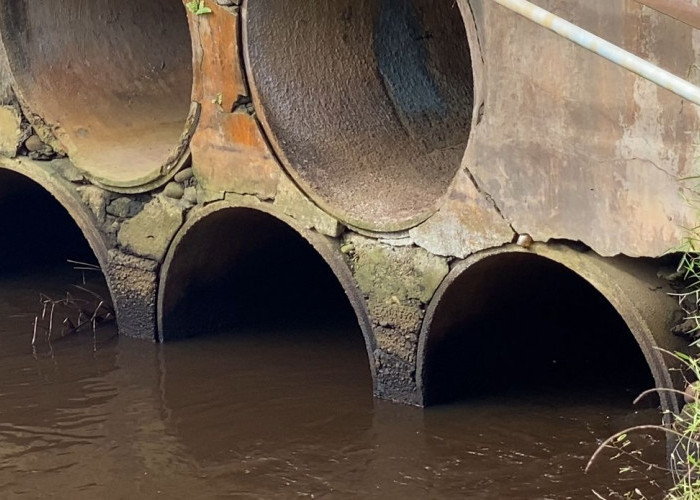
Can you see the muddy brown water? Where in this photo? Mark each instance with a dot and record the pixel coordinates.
(270, 414)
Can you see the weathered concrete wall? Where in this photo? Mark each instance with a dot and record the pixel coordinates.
(12, 130)
(571, 146)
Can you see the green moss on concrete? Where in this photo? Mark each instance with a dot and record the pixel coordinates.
(397, 283)
(291, 201)
(150, 232)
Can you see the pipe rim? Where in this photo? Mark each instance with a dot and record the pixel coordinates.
(135, 149)
(349, 213)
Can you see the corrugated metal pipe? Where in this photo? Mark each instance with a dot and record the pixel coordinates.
(604, 48)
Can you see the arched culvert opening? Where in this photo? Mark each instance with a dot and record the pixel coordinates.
(521, 324)
(112, 79)
(42, 228)
(36, 231)
(244, 272)
(368, 104)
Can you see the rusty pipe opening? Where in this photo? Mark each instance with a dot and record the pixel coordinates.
(519, 324)
(368, 104)
(111, 79)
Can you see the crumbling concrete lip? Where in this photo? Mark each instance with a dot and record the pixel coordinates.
(107, 82)
(368, 107)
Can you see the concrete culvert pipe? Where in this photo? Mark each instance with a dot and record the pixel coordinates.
(368, 104)
(111, 79)
(233, 269)
(37, 231)
(549, 321)
(43, 221)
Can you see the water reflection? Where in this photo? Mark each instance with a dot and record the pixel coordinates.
(267, 415)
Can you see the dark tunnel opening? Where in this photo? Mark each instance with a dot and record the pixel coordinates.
(249, 291)
(242, 268)
(37, 232)
(522, 325)
(51, 282)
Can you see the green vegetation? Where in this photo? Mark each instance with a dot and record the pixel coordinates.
(198, 7)
(683, 429)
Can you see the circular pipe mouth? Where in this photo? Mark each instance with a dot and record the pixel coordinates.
(234, 268)
(368, 104)
(518, 322)
(38, 195)
(112, 79)
(36, 230)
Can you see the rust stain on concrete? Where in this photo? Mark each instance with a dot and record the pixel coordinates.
(229, 151)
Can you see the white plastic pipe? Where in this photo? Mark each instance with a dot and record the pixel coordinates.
(605, 49)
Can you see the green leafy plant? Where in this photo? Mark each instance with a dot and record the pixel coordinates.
(198, 7)
(684, 428)
(683, 431)
(218, 100)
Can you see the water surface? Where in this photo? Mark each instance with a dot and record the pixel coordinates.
(283, 413)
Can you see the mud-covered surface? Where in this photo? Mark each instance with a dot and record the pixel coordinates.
(271, 413)
(397, 283)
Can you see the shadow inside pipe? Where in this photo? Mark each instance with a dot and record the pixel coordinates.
(522, 325)
(272, 325)
(239, 269)
(36, 232)
(53, 293)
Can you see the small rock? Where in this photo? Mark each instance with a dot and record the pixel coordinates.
(10, 130)
(174, 190)
(38, 150)
(96, 199)
(67, 170)
(149, 233)
(524, 240)
(191, 195)
(124, 207)
(34, 143)
(184, 175)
